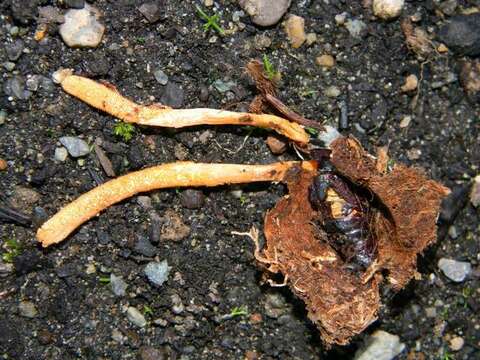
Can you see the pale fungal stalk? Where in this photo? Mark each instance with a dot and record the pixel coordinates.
(173, 175)
(106, 98)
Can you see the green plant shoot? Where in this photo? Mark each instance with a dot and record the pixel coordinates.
(268, 67)
(239, 311)
(13, 250)
(211, 21)
(124, 130)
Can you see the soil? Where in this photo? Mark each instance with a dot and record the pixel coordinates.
(212, 271)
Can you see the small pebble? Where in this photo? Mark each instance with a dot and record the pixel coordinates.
(208, 3)
(119, 287)
(455, 270)
(136, 317)
(265, 12)
(14, 50)
(75, 4)
(177, 305)
(192, 199)
(223, 86)
(82, 28)
(475, 193)
(327, 61)
(411, 83)
(388, 9)
(157, 272)
(332, 91)
(145, 202)
(456, 344)
(161, 77)
(295, 29)
(311, 39)
(76, 147)
(151, 11)
(27, 309)
(406, 120)
(3, 164)
(173, 95)
(461, 34)
(341, 18)
(61, 154)
(276, 145)
(356, 28)
(117, 336)
(431, 312)
(144, 247)
(381, 345)
(3, 117)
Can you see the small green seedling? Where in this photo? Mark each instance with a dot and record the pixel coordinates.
(104, 280)
(124, 130)
(140, 40)
(269, 69)
(147, 310)
(211, 21)
(239, 311)
(311, 131)
(13, 250)
(243, 199)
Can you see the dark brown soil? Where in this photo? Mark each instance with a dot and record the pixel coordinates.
(213, 271)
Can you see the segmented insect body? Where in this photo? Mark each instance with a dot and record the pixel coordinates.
(345, 216)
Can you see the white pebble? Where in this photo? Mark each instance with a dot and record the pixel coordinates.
(388, 9)
(82, 28)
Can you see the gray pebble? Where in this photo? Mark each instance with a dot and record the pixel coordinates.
(9, 66)
(265, 12)
(455, 270)
(192, 199)
(462, 34)
(76, 147)
(356, 28)
(173, 95)
(61, 154)
(157, 272)
(177, 305)
(27, 309)
(223, 86)
(136, 317)
(145, 202)
(161, 77)
(151, 11)
(381, 345)
(75, 4)
(3, 117)
(144, 247)
(119, 287)
(14, 50)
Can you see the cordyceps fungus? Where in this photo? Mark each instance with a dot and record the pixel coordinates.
(348, 220)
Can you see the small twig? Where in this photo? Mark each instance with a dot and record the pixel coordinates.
(291, 115)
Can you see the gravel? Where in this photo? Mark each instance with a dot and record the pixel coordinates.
(136, 317)
(157, 272)
(82, 28)
(119, 287)
(265, 12)
(76, 147)
(381, 345)
(455, 270)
